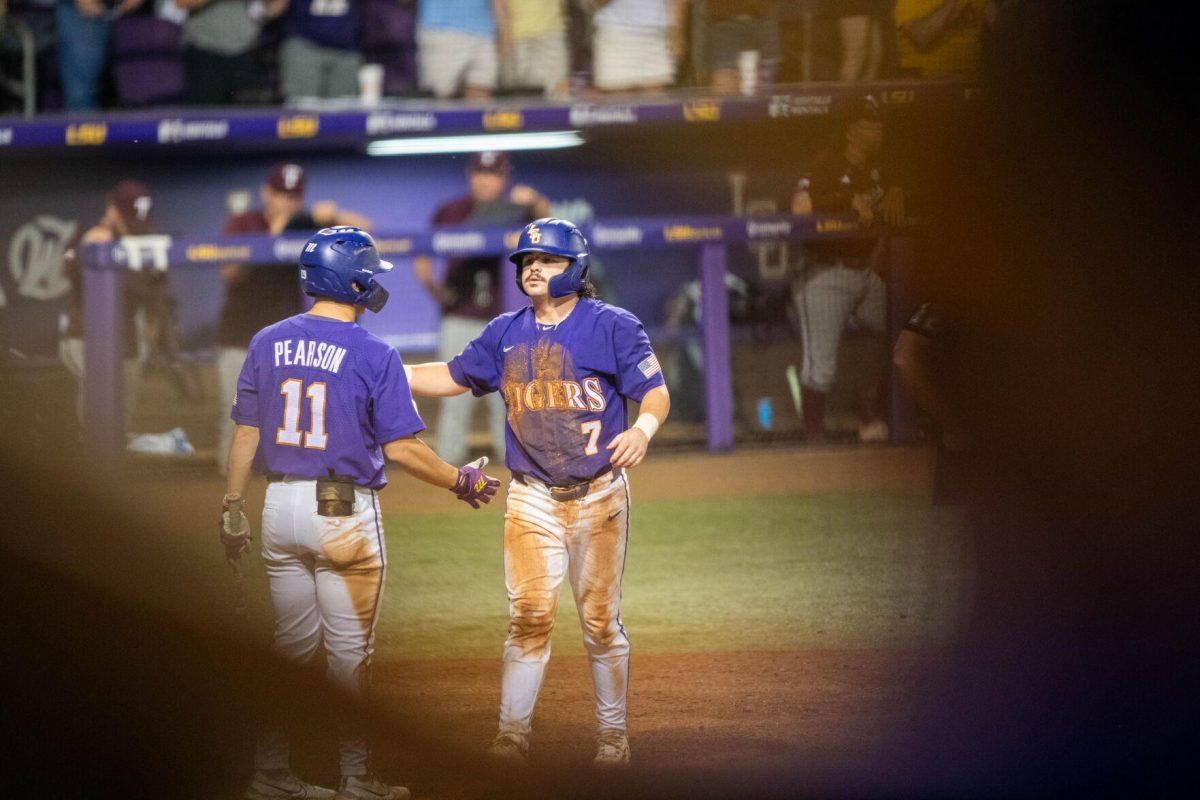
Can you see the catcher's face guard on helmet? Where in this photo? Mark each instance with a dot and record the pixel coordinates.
(341, 263)
(557, 237)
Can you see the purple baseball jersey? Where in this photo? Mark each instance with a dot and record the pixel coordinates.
(565, 386)
(325, 396)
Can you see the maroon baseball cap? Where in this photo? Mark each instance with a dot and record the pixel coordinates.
(287, 178)
(490, 161)
(135, 205)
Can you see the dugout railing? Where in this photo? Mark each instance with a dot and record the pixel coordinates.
(708, 236)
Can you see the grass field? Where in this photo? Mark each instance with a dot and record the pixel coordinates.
(845, 570)
(781, 606)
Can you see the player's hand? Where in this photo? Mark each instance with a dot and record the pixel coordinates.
(629, 448)
(234, 528)
(423, 269)
(892, 206)
(472, 486)
(324, 212)
(676, 44)
(522, 195)
(861, 203)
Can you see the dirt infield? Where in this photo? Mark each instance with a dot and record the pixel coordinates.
(743, 711)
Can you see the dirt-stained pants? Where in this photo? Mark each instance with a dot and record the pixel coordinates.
(326, 576)
(545, 539)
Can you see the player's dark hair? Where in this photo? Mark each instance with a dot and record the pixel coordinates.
(588, 290)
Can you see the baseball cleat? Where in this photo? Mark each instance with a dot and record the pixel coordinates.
(874, 431)
(512, 748)
(612, 750)
(367, 787)
(274, 785)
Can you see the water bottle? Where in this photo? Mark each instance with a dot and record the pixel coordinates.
(766, 413)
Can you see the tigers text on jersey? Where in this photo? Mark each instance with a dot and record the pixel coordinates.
(565, 385)
(325, 395)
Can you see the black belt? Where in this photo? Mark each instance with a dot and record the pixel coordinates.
(279, 477)
(569, 491)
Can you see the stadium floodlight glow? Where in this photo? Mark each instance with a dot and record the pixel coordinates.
(431, 145)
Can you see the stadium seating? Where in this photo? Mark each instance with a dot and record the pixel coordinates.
(146, 64)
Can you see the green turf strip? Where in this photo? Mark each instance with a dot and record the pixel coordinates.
(777, 573)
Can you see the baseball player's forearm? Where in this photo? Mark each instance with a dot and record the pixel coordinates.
(433, 380)
(241, 456)
(421, 462)
(629, 447)
(656, 404)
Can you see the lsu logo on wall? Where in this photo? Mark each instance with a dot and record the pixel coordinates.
(216, 252)
(702, 111)
(87, 133)
(692, 233)
(899, 97)
(301, 127)
(392, 247)
(503, 120)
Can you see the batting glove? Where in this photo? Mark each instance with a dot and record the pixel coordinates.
(234, 527)
(473, 486)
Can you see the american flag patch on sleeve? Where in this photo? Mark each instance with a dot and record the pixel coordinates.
(649, 366)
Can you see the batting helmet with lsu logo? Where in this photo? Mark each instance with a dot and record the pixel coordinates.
(341, 263)
(558, 238)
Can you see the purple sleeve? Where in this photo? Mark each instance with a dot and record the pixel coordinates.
(637, 369)
(245, 399)
(476, 366)
(393, 411)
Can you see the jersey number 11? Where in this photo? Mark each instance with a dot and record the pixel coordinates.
(290, 434)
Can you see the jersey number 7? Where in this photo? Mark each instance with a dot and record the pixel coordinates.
(290, 434)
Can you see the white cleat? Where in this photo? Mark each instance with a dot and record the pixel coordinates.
(511, 748)
(366, 787)
(275, 785)
(612, 750)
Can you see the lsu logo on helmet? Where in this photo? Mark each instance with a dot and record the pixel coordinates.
(535, 234)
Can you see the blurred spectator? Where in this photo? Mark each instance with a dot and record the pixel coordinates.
(942, 37)
(456, 43)
(219, 39)
(262, 294)
(533, 45)
(319, 56)
(128, 211)
(743, 44)
(470, 294)
(839, 277)
(685, 356)
(860, 26)
(637, 43)
(83, 28)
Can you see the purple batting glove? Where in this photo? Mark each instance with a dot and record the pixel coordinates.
(473, 486)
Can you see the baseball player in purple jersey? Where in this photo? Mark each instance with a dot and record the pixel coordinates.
(320, 404)
(565, 365)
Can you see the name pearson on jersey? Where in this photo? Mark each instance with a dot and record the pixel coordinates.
(554, 395)
(309, 353)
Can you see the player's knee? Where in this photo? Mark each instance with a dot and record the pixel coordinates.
(600, 628)
(531, 619)
(819, 379)
(300, 649)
